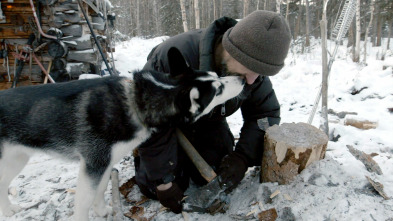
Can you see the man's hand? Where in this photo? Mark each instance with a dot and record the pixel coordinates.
(170, 196)
(232, 169)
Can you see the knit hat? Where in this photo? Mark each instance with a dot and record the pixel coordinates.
(260, 42)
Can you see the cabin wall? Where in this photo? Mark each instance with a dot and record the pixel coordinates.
(82, 55)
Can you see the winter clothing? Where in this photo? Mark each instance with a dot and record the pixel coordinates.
(211, 135)
(171, 198)
(230, 175)
(260, 42)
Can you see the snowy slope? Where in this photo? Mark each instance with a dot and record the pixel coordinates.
(332, 189)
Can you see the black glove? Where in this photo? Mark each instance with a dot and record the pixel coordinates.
(232, 169)
(171, 198)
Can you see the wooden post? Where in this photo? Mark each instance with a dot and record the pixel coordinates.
(289, 149)
(117, 208)
(47, 75)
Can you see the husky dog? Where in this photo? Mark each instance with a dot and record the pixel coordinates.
(99, 121)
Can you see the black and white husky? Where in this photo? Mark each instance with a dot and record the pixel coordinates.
(99, 121)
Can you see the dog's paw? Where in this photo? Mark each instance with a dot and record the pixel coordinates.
(12, 210)
(103, 210)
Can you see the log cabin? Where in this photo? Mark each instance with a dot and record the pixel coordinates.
(60, 38)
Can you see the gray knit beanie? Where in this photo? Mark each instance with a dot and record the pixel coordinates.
(260, 42)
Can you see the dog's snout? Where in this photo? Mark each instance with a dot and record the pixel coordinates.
(242, 79)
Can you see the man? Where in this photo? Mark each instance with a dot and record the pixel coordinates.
(256, 48)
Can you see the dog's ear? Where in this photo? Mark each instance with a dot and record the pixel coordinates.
(177, 63)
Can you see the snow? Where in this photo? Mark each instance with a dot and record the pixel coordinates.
(334, 188)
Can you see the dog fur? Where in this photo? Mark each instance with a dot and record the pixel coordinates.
(99, 121)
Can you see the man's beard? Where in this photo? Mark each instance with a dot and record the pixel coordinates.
(224, 70)
(224, 73)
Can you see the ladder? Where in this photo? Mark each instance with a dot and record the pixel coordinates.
(339, 31)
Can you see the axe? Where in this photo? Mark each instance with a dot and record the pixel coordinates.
(210, 198)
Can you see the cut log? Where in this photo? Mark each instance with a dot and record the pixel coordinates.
(361, 124)
(61, 18)
(84, 56)
(289, 149)
(72, 30)
(98, 23)
(80, 43)
(61, 7)
(76, 69)
(47, 2)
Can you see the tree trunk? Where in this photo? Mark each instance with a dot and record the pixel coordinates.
(350, 36)
(220, 8)
(307, 25)
(278, 6)
(246, 4)
(191, 17)
(183, 15)
(157, 17)
(356, 57)
(215, 9)
(138, 20)
(374, 35)
(289, 149)
(197, 15)
(367, 30)
(132, 20)
(287, 13)
(203, 17)
(379, 29)
(390, 32)
(299, 18)
(325, 73)
(317, 17)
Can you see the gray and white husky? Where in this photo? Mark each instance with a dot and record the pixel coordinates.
(99, 121)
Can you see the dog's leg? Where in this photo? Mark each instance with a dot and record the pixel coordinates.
(99, 205)
(11, 163)
(85, 193)
(89, 187)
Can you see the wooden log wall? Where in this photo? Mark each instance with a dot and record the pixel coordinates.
(65, 15)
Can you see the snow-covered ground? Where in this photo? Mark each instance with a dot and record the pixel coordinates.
(331, 189)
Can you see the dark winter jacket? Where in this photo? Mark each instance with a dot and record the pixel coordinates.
(259, 108)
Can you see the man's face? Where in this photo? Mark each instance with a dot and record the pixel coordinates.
(231, 66)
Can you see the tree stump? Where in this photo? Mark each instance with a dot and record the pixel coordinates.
(288, 149)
